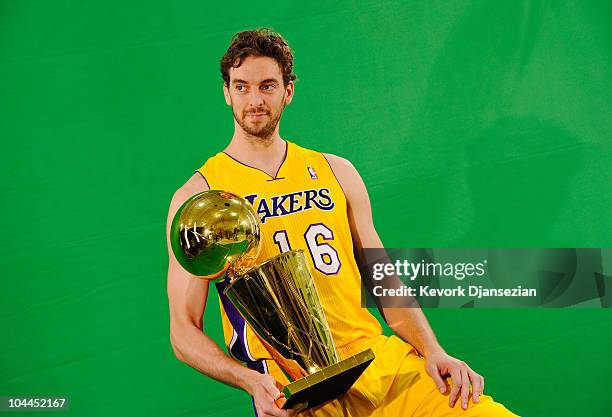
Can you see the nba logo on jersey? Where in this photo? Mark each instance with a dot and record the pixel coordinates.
(312, 172)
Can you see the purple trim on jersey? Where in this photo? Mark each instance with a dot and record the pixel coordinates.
(259, 367)
(238, 350)
(275, 177)
(334, 174)
(204, 178)
(254, 409)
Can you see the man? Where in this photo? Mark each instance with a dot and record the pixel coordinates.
(318, 203)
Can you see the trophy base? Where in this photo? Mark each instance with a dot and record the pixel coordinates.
(328, 383)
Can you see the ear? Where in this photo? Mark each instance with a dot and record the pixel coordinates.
(226, 94)
(289, 90)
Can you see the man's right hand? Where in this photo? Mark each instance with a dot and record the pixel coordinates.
(264, 391)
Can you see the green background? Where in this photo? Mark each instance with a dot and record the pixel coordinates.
(473, 123)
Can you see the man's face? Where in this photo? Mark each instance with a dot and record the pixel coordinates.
(257, 95)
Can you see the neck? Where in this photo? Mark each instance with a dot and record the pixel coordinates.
(266, 154)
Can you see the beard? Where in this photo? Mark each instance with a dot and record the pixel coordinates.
(261, 131)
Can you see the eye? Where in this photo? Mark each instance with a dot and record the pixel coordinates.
(240, 87)
(267, 87)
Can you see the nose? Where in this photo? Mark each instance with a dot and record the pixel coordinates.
(256, 98)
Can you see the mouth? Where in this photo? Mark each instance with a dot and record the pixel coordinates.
(256, 115)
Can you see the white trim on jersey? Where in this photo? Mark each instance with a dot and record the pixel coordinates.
(265, 365)
(246, 344)
(232, 342)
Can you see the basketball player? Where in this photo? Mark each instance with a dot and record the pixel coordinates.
(315, 202)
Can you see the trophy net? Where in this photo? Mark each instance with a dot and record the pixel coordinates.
(279, 300)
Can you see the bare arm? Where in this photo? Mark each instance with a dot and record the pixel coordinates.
(409, 323)
(187, 296)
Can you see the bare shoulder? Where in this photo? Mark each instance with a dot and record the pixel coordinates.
(195, 184)
(343, 169)
(349, 179)
(338, 162)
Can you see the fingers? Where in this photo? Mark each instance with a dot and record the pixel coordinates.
(283, 413)
(477, 385)
(462, 376)
(265, 402)
(435, 375)
(456, 377)
(481, 384)
(271, 410)
(271, 388)
(274, 412)
(461, 385)
(465, 387)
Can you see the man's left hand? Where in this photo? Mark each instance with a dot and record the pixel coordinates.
(440, 365)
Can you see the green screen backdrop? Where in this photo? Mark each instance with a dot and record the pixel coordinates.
(473, 124)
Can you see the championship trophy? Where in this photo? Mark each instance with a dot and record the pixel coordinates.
(216, 232)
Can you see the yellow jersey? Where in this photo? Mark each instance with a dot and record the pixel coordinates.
(302, 207)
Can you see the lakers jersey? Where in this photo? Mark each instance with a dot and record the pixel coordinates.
(302, 207)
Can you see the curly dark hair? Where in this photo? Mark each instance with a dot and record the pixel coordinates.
(258, 42)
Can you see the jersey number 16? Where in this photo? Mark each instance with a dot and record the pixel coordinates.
(324, 256)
